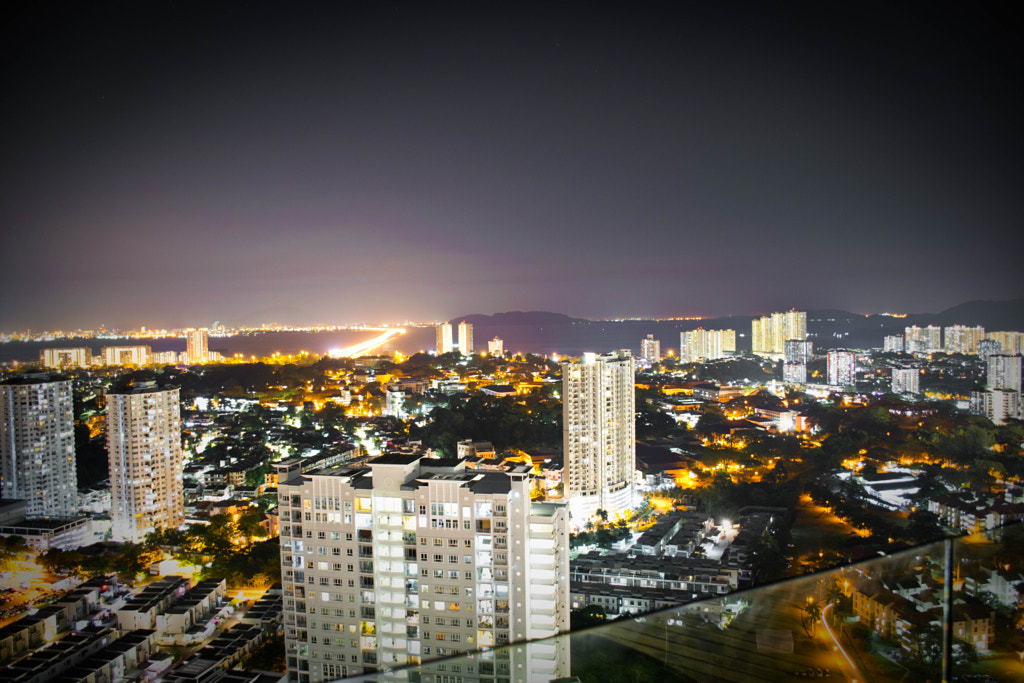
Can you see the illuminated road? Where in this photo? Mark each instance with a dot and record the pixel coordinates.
(362, 348)
(824, 620)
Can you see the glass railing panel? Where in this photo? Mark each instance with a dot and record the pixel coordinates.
(879, 620)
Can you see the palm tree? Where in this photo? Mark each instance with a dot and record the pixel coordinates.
(811, 612)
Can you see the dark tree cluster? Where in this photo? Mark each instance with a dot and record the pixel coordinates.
(505, 422)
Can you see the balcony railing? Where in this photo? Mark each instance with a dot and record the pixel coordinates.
(948, 611)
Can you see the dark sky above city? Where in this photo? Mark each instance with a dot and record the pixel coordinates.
(176, 163)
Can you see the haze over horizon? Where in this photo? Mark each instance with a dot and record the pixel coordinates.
(171, 164)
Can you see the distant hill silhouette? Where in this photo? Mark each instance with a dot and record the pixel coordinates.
(545, 332)
(992, 315)
(518, 318)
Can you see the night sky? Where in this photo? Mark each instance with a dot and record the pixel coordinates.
(176, 163)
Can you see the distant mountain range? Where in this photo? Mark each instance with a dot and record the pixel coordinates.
(546, 331)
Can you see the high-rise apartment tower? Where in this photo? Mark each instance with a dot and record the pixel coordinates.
(650, 349)
(444, 338)
(37, 453)
(598, 433)
(197, 347)
(466, 338)
(144, 447)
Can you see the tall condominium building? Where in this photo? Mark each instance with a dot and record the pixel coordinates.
(842, 368)
(704, 345)
(650, 349)
(79, 357)
(988, 347)
(1004, 372)
(893, 343)
(1010, 342)
(1000, 405)
(444, 338)
(922, 339)
(144, 447)
(798, 351)
(769, 333)
(598, 433)
(465, 338)
(408, 559)
(496, 347)
(795, 373)
(197, 346)
(37, 445)
(962, 339)
(906, 381)
(126, 355)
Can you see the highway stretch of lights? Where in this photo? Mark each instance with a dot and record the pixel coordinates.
(365, 347)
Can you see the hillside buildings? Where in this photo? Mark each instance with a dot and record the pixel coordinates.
(1009, 342)
(963, 339)
(598, 433)
(37, 445)
(842, 368)
(1004, 372)
(409, 559)
(1001, 399)
(444, 338)
(922, 339)
(465, 338)
(794, 373)
(704, 345)
(906, 381)
(650, 349)
(893, 343)
(770, 333)
(144, 446)
(798, 351)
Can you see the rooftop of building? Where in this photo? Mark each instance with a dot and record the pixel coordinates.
(31, 378)
(139, 385)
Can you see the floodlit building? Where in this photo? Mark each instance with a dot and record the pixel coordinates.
(893, 343)
(842, 368)
(465, 338)
(1010, 342)
(197, 346)
(408, 559)
(906, 381)
(770, 333)
(798, 351)
(705, 345)
(144, 446)
(650, 349)
(79, 357)
(922, 339)
(989, 347)
(962, 339)
(598, 433)
(37, 445)
(444, 338)
(999, 405)
(1004, 372)
(496, 347)
(795, 373)
(126, 355)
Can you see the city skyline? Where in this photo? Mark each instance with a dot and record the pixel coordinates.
(170, 164)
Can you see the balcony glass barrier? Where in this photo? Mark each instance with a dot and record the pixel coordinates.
(950, 610)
